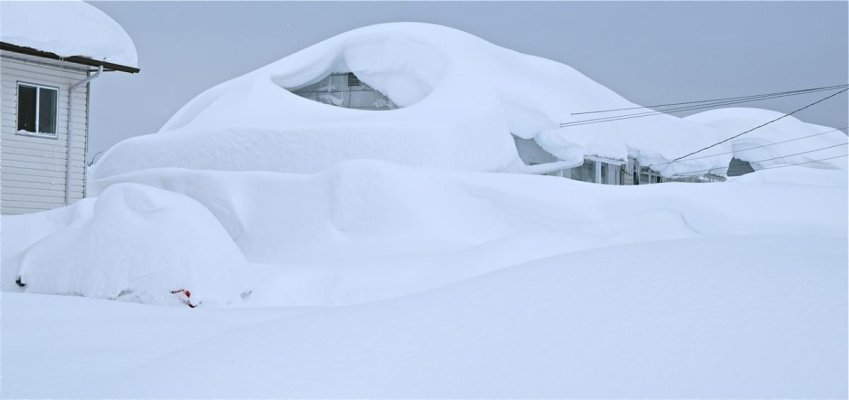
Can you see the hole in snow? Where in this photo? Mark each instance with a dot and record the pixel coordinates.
(345, 90)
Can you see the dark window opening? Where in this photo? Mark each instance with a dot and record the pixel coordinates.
(26, 108)
(353, 80)
(37, 109)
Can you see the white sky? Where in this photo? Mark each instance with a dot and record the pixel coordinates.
(649, 52)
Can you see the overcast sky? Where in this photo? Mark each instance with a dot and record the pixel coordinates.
(648, 52)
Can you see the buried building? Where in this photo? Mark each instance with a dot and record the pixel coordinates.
(347, 90)
(423, 95)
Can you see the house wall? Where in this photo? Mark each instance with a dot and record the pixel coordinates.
(32, 169)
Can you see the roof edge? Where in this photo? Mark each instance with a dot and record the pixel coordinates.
(74, 59)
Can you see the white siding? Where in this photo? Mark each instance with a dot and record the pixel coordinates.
(32, 169)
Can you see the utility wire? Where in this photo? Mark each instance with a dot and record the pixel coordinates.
(791, 164)
(761, 125)
(686, 108)
(806, 162)
(769, 159)
(717, 99)
(752, 148)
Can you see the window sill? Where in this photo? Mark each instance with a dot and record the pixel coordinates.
(38, 135)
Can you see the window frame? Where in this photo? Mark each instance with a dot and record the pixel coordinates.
(38, 87)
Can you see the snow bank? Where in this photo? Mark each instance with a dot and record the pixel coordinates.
(757, 147)
(754, 319)
(132, 243)
(460, 96)
(66, 28)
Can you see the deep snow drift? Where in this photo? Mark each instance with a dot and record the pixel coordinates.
(66, 28)
(460, 97)
(367, 230)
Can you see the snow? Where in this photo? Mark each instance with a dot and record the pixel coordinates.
(757, 319)
(370, 230)
(66, 28)
(759, 147)
(347, 253)
(460, 96)
(130, 243)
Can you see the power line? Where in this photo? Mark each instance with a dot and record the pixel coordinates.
(791, 164)
(700, 106)
(752, 148)
(717, 99)
(770, 159)
(762, 125)
(806, 162)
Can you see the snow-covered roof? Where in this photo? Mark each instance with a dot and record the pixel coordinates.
(775, 144)
(460, 100)
(66, 29)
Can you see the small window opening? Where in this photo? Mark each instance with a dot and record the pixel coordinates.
(37, 108)
(353, 80)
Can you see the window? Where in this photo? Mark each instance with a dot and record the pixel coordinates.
(37, 108)
(353, 80)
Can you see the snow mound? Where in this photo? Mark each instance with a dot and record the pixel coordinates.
(132, 243)
(66, 28)
(368, 230)
(758, 147)
(460, 99)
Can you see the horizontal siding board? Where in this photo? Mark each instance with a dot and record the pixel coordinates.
(40, 185)
(60, 152)
(40, 166)
(16, 147)
(34, 161)
(8, 171)
(18, 179)
(8, 210)
(27, 206)
(52, 153)
(36, 192)
(38, 188)
(40, 201)
(58, 182)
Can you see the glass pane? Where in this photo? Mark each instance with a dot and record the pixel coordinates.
(47, 111)
(26, 108)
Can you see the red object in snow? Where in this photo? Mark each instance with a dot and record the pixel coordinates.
(187, 300)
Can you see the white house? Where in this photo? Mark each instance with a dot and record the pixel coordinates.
(49, 54)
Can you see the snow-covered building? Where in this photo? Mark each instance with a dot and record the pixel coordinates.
(423, 95)
(786, 141)
(49, 54)
(348, 91)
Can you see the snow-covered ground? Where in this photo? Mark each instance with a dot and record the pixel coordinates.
(375, 279)
(736, 316)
